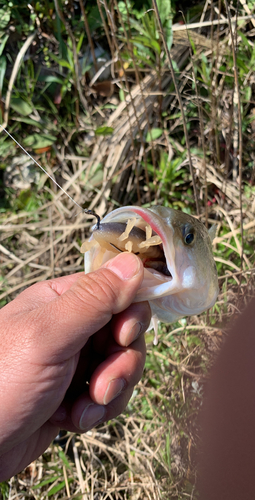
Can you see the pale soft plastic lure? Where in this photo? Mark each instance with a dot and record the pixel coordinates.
(180, 276)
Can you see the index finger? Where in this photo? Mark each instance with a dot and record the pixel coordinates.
(66, 323)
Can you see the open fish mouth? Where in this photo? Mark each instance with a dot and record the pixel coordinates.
(180, 276)
(141, 231)
(127, 236)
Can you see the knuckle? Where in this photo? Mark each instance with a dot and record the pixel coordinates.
(99, 288)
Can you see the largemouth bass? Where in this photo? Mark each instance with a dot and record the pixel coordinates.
(180, 275)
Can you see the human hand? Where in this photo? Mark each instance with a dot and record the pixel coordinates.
(227, 437)
(57, 336)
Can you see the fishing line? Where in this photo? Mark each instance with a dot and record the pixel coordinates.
(85, 210)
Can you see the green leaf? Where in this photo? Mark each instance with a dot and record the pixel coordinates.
(146, 27)
(4, 490)
(104, 130)
(61, 62)
(168, 33)
(94, 18)
(44, 482)
(247, 94)
(154, 134)
(110, 106)
(244, 39)
(70, 57)
(5, 15)
(122, 8)
(21, 106)
(62, 455)
(79, 44)
(3, 42)
(242, 65)
(164, 7)
(145, 53)
(141, 41)
(38, 141)
(29, 121)
(52, 79)
(58, 487)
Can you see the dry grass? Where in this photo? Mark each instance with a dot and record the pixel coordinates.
(148, 452)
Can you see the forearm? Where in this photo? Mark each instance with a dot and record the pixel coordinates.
(228, 421)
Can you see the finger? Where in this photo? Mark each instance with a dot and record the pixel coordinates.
(68, 321)
(103, 346)
(120, 370)
(123, 329)
(85, 414)
(129, 324)
(105, 397)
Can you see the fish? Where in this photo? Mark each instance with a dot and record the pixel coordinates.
(180, 274)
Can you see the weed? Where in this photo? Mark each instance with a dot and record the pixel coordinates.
(118, 144)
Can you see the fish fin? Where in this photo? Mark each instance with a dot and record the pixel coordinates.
(212, 232)
(154, 326)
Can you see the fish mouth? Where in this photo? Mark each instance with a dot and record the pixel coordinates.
(156, 249)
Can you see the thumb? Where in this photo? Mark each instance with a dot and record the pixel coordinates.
(67, 322)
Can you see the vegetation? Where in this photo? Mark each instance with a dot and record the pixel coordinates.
(89, 92)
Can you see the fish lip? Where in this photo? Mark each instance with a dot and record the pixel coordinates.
(169, 284)
(174, 297)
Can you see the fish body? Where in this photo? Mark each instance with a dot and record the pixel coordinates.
(180, 275)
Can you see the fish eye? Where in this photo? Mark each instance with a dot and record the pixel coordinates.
(188, 233)
(189, 238)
